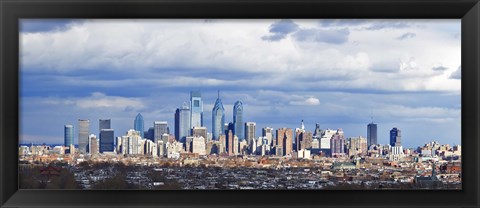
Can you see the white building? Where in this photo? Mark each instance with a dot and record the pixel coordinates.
(198, 145)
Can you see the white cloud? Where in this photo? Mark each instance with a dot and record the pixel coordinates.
(308, 101)
(98, 101)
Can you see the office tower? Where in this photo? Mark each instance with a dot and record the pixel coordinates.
(138, 125)
(159, 128)
(93, 147)
(68, 135)
(238, 120)
(395, 137)
(107, 140)
(182, 123)
(325, 139)
(371, 134)
(250, 129)
(150, 134)
(318, 131)
(229, 140)
(305, 141)
(235, 145)
(199, 131)
(299, 135)
(218, 118)
(337, 144)
(83, 132)
(284, 140)
(267, 132)
(198, 145)
(103, 124)
(196, 109)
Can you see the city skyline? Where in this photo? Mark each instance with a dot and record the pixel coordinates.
(279, 91)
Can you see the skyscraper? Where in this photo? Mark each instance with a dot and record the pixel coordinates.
(103, 124)
(138, 124)
(250, 129)
(395, 137)
(337, 144)
(284, 141)
(196, 109)
(218, 118)
(93, 146)
(238, 120)
(182, 123)
(267, 132)
(371, 134)
(107, 140)
(159, 128)
(68, 135)
(83, 132)
(318, 131)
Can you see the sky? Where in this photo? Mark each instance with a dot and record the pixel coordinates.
(338, 73)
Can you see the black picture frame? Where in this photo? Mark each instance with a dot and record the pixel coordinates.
(12, 10)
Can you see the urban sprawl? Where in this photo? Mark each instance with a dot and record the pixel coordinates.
(231, 156)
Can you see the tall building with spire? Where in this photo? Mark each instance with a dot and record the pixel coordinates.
(218, 118)
(371, 134)
(238, 120)
(182, 123)
(138, 124)
(196, 109)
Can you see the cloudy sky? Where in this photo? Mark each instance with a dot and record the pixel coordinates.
(339, 73)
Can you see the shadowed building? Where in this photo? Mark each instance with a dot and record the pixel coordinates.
(182, 123)
(371, 134)
(284, 141)
(395, 137)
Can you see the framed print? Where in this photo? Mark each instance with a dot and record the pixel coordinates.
(239, 103)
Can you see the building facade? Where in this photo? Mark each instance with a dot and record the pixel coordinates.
(238, 120)
(182, 123)
(68, 135)
(250, 129)
(218, 119)
(159, 128)
(138, 125)
(395, 137)
(107, 140)
(196, 109)
(371, 134)
(83, 132)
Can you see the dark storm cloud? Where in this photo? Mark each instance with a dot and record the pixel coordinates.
(326, 36)
(406, 36)
(280, 30)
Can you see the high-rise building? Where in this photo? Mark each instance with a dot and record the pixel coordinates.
(159, 128)
(284, 141)
(238, 120)
(104, 124)
(218, 118)
(83, 132)
(357, 145)
(68, 136)
(267, 132)
(138, 125)
(182, 123)
(198, 145)
(395, 137)
(196, 109)
(250, 129)
(371, 134)
(229, 140)
(107, 140)
(93, 147)
(337, 144)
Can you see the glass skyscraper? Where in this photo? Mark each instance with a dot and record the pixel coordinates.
(103, 124)
(395, 137)
(238, 120)
(107, 140)
(138, 124)
(196, 109)
(371, 134)
(182, 122)
(83, 132)
(68, 136)
(159, 128)
(218, 119)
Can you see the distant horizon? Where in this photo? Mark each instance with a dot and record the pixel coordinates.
(338, 73)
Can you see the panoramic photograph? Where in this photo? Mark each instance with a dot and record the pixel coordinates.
(228, 104)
